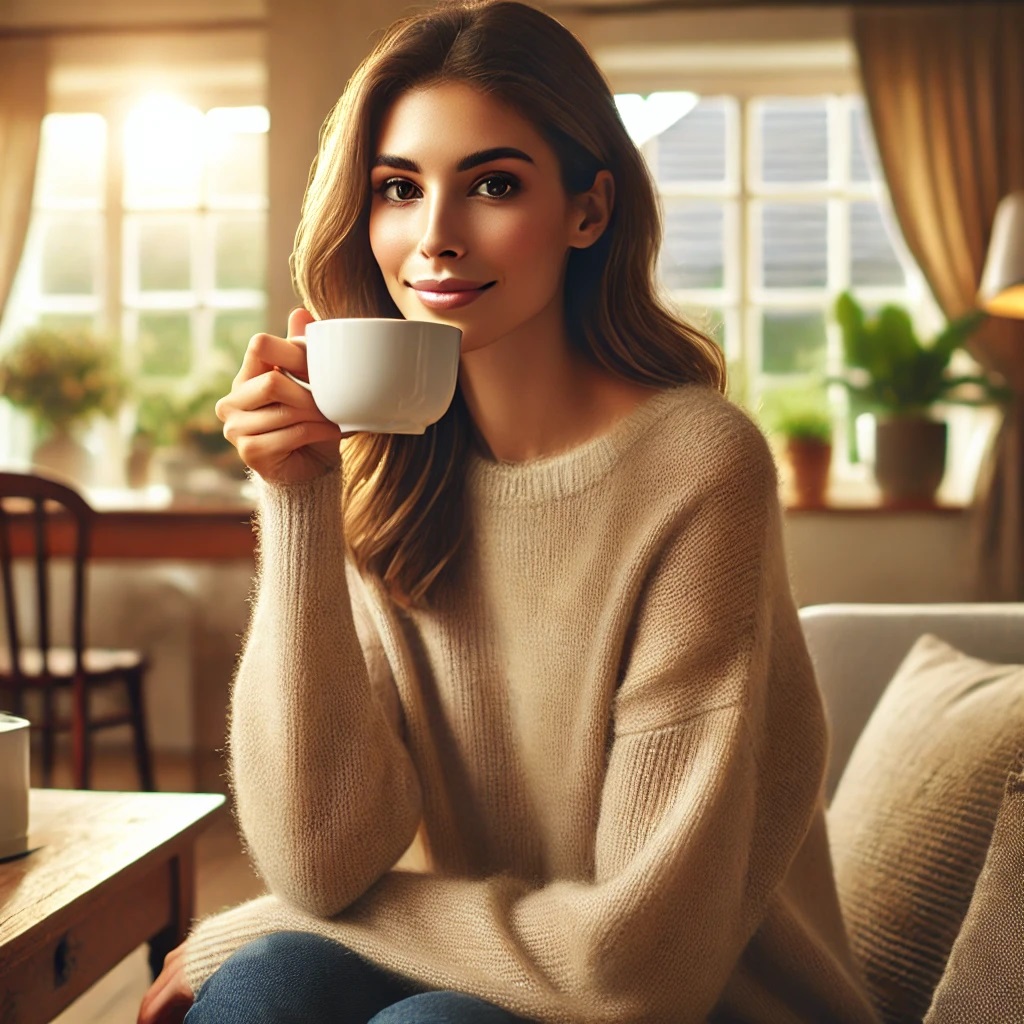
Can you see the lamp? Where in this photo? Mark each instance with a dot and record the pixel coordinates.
(1002, 282)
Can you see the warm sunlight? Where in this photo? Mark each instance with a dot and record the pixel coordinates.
(163, 149)
(646, 117)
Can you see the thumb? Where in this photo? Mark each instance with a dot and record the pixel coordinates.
(298, 318)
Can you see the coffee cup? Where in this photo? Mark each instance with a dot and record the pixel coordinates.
(14, 785)
(381, 376)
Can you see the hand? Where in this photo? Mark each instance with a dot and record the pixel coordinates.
(169, 997)
(272, 421)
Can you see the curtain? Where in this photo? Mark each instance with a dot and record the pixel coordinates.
(945, 92)
(22, 106)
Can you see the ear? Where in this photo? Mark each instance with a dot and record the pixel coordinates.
(591, 210)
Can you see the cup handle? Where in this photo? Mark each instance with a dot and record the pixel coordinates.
(291, 376)
(298, 380)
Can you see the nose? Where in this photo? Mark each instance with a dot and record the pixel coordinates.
(442, 234)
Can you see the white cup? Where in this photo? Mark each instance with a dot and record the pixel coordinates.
(14, 784)
(381, 376)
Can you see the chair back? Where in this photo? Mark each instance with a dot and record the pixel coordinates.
(40, 520)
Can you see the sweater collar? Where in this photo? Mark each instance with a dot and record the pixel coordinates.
(556, 476)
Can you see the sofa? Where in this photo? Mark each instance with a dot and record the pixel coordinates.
(925, 791)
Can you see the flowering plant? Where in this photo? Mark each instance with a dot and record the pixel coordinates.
(62, 377)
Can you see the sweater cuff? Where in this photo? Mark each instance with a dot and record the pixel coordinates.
(215, 938)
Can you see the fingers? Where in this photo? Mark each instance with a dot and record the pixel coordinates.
(273, 422)
(270, 448)
(170, 996)
(266, 351)
(268, 388)
(298, 319)
(241, 424)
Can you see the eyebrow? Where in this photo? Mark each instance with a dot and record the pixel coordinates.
(483, 156)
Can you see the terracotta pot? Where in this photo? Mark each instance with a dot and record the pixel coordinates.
(910, 459)
(809, 461)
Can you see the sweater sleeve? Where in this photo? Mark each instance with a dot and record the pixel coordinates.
(303, 697)
(712, 783)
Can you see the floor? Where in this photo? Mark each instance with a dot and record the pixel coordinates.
(223, 878)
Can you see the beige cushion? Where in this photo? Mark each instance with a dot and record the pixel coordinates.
(913, 814)
(984, 979)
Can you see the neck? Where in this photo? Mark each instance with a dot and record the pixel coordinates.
(531, 395)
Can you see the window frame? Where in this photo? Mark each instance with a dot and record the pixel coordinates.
(826, 70)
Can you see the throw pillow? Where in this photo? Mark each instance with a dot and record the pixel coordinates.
(913, 814)
(983, 979)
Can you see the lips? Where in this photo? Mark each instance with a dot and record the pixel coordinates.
(449, 293)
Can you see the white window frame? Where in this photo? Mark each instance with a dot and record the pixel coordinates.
(747, 73)
(95, 76)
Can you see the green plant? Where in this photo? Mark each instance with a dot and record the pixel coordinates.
(62, 377)
(169, 419)
(890, 370)
(799, 414)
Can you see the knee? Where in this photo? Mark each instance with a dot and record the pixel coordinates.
(444, 1007)
(261, 980)
(274, 954)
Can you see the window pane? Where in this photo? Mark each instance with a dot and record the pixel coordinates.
(694, 149)
(864, 164)
(240, 252)
(163, 154)
(873, 259)
(70, 254)
(793, 341)
(72, 159)
(236, 141)
(165, 344)
(794, 140)
(693, 255)
(68, 321)
(164, 252)
(794, 248)
(232, 331)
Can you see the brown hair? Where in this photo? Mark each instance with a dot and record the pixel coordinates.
(403, 494)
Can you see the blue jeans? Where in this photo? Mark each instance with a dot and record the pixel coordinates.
(298, 978)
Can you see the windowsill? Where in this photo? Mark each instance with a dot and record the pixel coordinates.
(875, 508)
(859, 497)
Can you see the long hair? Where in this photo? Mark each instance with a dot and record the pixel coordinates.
(404, 518)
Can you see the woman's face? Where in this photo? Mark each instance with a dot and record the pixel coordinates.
(469, 221)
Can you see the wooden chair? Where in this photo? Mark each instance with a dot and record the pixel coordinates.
(59, 519)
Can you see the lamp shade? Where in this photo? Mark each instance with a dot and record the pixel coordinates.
(1002, 282)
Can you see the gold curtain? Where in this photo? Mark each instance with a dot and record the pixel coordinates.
(22, 106)
(945, 90)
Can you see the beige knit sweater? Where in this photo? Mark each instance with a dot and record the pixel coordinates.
(606, 725)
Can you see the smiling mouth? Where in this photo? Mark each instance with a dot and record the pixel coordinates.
(451, 299)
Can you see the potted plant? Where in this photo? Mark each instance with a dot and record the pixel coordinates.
(802, 419)
(186, 429)
(892, 373)
(62, 378)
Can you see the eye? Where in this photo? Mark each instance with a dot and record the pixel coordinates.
(497, 186)
(398, 190)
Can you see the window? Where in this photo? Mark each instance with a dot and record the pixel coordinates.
(772, 206)
(149, 225)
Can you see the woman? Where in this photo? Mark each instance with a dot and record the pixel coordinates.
(554, 635)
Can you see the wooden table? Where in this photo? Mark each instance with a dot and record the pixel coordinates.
(154, 524)
(108, 872)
